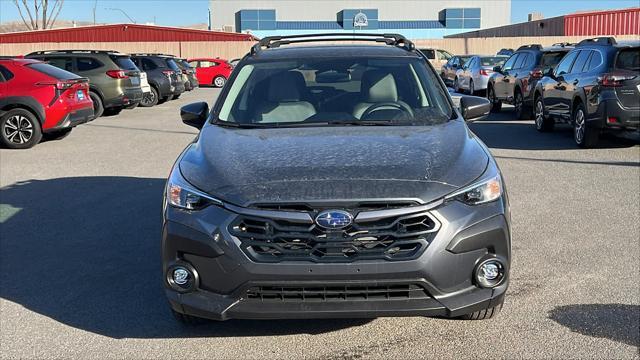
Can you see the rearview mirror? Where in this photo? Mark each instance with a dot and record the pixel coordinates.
(332, 76)
(474, 108)
(195, 114)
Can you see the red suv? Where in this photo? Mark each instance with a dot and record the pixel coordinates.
(37, 99)
(210, 71)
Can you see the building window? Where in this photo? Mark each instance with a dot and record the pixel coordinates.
(463, 18)
(256, 20)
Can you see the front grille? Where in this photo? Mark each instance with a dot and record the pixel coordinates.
(394, 238)
(336, 293)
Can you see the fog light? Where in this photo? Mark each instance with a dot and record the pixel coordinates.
(180, 276)
(490, 273)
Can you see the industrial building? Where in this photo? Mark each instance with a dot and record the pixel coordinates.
(416, 19)
(593, 23)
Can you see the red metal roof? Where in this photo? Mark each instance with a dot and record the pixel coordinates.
(121, 33)
(612, 22)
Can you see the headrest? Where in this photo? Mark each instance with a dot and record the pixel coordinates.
(379, 86)
(286, 87)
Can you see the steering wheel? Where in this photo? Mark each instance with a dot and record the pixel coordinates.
(400, 105)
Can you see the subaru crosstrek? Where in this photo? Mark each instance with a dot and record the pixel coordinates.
(335, 181)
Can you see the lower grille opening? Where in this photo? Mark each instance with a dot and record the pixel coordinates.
(276, 293)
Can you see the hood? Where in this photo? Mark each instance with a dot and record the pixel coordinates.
(249, 166)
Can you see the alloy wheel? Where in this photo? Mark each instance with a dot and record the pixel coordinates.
(18, 129)
(148, 98)
(539, 114)
(219, 81)
(518, 103)
(579, 127)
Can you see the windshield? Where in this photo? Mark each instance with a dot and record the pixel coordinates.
(124, 62)
(493, 61)
(172, 64)
(551, 59)
(353, 91)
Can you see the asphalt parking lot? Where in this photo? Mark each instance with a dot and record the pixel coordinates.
(80, 255)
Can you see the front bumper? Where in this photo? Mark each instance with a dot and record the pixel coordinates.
(444, 271)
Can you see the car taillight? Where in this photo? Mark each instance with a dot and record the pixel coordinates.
(168, 72)
(118, 74)
(614, 80)
(536, 74)
(485, 72)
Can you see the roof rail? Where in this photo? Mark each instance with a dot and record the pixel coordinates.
(48, 52)
(563, 44)
(277, 41)
(603, 40)
(531, 46)
(151, 54)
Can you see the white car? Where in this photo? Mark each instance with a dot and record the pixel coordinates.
(475, 73)
(437, 57)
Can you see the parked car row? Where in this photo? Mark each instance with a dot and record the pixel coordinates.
(48, 93)
(593, 85)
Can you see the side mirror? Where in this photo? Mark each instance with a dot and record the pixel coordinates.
(548, 72)
(474, 108)
(497, 69)
(195, 114)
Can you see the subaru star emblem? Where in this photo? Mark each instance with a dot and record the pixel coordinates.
(334, 219)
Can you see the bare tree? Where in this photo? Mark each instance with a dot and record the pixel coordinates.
(40, 14)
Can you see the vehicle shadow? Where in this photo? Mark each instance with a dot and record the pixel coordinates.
(85, 251)
(617, 322)
(501, 131)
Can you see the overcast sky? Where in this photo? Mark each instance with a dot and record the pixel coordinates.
(185, 12)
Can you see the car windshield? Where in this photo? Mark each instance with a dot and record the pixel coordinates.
(330, 91)
(629, 59)
(172, 64)
(551, 59)
(492, 61)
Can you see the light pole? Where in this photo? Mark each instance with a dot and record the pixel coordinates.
(122, 11)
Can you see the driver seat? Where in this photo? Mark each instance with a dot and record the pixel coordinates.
(376, 87)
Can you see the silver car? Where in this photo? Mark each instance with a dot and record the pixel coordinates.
(474, 74)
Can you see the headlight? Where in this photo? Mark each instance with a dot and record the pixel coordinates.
(183, 195)
(481, 192)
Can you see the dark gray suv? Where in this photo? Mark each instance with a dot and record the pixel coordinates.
(335, 181)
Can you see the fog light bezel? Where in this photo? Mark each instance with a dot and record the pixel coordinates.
(482, 281)
(190, 285)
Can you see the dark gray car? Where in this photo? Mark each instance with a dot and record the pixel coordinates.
(335, 181)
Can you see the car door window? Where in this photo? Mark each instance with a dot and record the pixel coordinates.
(62, 63)
(522, 59)
(87, 64)
(5, 74)
(509, 64)
(581, 60)
(594, 61)
(149, 64)
(443, 55)
(565, 64)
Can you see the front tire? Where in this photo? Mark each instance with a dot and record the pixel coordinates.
(219, 81)
(584, 135)
(187, 319)
(496, 105)
(19, 129)
(484, 314)
(543, 123)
